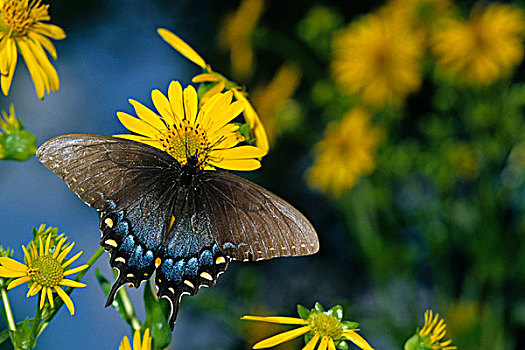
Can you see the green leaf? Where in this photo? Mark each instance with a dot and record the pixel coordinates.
(245, 132)
(117, 303)
(20, 145)
(303, 312)
(157, 313)
(350, 324)
(21, 338)
(318, 307)
(337, 312)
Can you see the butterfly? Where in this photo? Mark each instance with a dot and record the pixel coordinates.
(179, 222)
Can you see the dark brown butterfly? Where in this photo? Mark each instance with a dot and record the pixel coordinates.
(137, 189)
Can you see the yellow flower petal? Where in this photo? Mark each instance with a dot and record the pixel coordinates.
(276, 319)
(147, 115)
(50, 30)
(35, 288)
(137, 125)
(357, 340)
(38, 77)
(9, 55)
(241, 152)
(206, 78)
(125, 345)
(43, 296)
(70, 283)
(190, 104)
(214, 90)
(70, 260)
(230, 113)
(252, 118)
(324, 343)
(17, 282)
(236, 164)
(175, 98)
(312, 343)
(183, 48)
(162, 104)
(142, 139)
(281, 338)
(49, 297)
(331, 345)
(65, 252)
(66, 299)
(136, 340)
(13, 265)
(59, 247)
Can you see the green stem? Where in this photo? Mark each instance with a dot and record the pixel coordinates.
(36, 322)
(58, 301)
(7, 308)
(127, 308)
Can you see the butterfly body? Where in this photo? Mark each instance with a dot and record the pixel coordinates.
(179, 222)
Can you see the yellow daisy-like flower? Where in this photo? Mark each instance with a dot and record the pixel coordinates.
(430, 336)
(483, 48)
(21, 29)
(137, 344)
(345, 154)
(323, 328)
(219, 84)
(184, 130)
(379, 59)
(44, 270)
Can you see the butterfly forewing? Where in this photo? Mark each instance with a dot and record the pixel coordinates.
(251, 223)
(132, 185)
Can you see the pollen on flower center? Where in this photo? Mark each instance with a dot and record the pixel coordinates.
(46, 271)
(326, 325)
(183, 142)
(18, 15)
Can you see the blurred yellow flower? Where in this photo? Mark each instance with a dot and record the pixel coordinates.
(430, 336)
(184, 130)
(378, 58)
(220, 83)
(145, 344)
(236, 36)
(21, 29)
(345, 154)
(269, 99)
(483, 48)
(46, 269)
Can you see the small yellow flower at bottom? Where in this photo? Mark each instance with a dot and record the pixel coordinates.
(44, 271)
(319, 325)
(430, 336)
(137, 344)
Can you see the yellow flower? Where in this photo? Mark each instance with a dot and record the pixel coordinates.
(137, 344)
(236, 36)
(483, 48)
(21, 29)
(430, 336)
(379, 59)
(325, 328)
(45, 269)
(220, 83)
(345, 154)
(187, 131)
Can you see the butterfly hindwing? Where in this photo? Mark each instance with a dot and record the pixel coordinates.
(132, 185)
(249, 222)
(191, 258)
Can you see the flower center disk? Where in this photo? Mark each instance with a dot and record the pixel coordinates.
(186, 141)
(326, 325)
(46, 271)
(19, 15)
